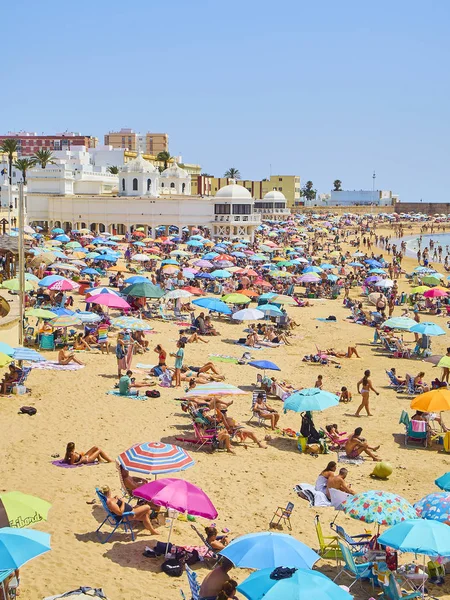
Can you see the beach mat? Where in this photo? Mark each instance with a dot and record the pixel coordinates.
(343, 458)
(224, 359)
(326, 320)
(253, 347)
(144, 366)
(60, 463)
(133, 396)
(51, 365)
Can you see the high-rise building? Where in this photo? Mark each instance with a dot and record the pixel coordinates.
(28, 143)
(150, 143)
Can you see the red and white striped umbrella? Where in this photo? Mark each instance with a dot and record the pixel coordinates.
(155, 458)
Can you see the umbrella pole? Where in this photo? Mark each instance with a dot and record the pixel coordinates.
(170, 534)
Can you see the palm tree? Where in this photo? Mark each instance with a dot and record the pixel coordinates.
(113, 170)
(337, 183)
(23, 164)
(164, 157)
(232, 173)
(44, 157)
(308, 191)
(9, 147)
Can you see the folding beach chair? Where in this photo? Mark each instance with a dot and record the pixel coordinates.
(115, 521)
(256, 415)
(394, 382)
(282, 514)
(357, 572)
(193, 584)
(328, 544)
(12, 584)
(46, 342)
(357, 543)
(211, 556)
(20, 381)
(394, 592)
(412, 434)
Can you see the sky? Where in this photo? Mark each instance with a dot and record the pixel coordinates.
(325, 90)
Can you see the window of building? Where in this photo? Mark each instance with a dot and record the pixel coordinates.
(162, 184)
(221, 209)
(135, 184)
(123, 185)
(242, 209)
(280, 205)
(183, 187)
(263, 204)
(280, 179)
(172, 185)
(149, 184)
(280, 189)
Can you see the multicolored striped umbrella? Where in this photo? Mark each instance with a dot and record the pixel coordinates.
(155, 458)
(66, 321)
(215, 389)
(131, 323)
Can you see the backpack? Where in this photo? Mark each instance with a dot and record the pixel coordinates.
(28, 410)
(172, 567)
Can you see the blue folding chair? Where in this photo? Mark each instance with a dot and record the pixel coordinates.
(358, 572)
(124, 520)
(392, 591)
(358, 543)
(193, 584)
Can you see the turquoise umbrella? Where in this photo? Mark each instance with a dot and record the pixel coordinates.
(270, 309)
(18, 546)
(310, 399)
(442, 482)
(427, 328)
(291, 584)
(418, 536)
(404, 323)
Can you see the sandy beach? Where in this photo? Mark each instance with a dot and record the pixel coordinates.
(246, 488)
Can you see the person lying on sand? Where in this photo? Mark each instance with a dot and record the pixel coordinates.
(65, 357)
(94, 454)
(351, 350)
(118, 506)
(209, 366)
(193, 338)
(356, 445)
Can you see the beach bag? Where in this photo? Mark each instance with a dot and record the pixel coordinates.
(391, 560)
(157, 371)
(153, 394)
(301, 443)
(165, 379)
(19, 390)
(331, 318)
(28, 410)
(172, 567)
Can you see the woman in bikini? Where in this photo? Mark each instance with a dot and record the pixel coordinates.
(364, 386)
(94, 454)
(118, 507)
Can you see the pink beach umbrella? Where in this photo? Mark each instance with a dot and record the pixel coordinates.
(64, 285)
(433, 293)
(179, 495)
(110, 300)
(310, 278)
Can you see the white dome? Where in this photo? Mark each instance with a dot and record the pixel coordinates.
(175, 171)
(138, 165)
(275, 196)
(234, 192)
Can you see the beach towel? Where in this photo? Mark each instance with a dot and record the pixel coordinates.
(343, 458)
(60, 463)
(326, 320)
(132, 396)
(144, 366)
(52, 365)
(309, 492)
(223, 358)
(252, 347)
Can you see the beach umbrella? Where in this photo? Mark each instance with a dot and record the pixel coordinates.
(300, 584)
(432, 401)
(66, 267)
(221, 274)
(379, 507)
(131, 323)
(22, 510)
(5, 359)
(100, 290)
(264, 365)
(64, 285)
(14, 285)
(18, 546)
(204, 264)
(178, 293)
(40, 313)
(418, 536)
(310, 399)
(107, 258)
(110, 300)
(282, 299)
(267, 550)
(248, 314)
(195, 291)
(89, 271)
(377, 271)
(137, 279)
(403, 323)
(178, 494)
(6, 349)
(143, 290)
(57, 230)
(73, 245)
(215, 389)
(270, 310)
(443, 482)
(236, 299)
(427, 328)
(62, 312)
(62, 238)
(212, 304)
(435, 507)
(384, 283)
(310, 278)
(87, 317)
(313, 269)
(155, 458)
(421, 289)
(46, 281)
(431, 280)
(66, 321)
(27, 354)
(435, 293)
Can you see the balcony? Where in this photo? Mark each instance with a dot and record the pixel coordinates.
(272, 211)
(254, 218)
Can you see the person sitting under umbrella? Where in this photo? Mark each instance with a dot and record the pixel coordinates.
(216, 542)
(11, 377)
(356, 445)
(265, 411)
(118, 506)
(216, 580)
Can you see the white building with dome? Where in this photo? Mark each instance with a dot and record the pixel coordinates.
(273, 206)
(75, 196)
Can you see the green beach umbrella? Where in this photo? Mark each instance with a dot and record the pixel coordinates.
(236, 299)
(22, 510)
(143, 290)
(430, 279)
(14, 285)
(40, 313)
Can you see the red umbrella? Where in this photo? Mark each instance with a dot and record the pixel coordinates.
(138, 234)
(194, 290)
(224, 257)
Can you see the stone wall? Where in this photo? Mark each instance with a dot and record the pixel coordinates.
(356, 210)
(429, 208)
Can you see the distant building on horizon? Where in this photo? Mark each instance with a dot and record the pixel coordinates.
(28, 142)
(150, 143)
(354, 198)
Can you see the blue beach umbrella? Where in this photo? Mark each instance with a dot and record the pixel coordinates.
(313, 269)
(332, 278)
(210, 255)
(418, 536)
(106, 257)
(6, 349)
(310, 399)
(57, 230)
(442, 482)
(270, 310)
(87, 317)
(403, 323)
(49, 280)
(327, 266)
(213, 304)
(221, 274)
(267, 550)
(302, 584)
(62, 238)
(377, 271)
(194, 244)
(89, 271)
(434, 507)
(427, 328)
(137, 279)
(355, 264)
(267, 296)
(264, 364)
(205, 276)
(27, 354)
(63, 312)
(18, 546)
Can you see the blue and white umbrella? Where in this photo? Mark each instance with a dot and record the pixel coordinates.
(27, 354)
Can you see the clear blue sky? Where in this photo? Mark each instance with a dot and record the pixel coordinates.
(327, 90)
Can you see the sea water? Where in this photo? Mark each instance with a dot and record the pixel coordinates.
(439, 239)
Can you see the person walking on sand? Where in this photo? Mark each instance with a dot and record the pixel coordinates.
(364, 386)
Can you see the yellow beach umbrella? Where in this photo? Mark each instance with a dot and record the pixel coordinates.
(236, 299)
(444, 362)
(421, 289)
(433, 401)
(5, 359)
